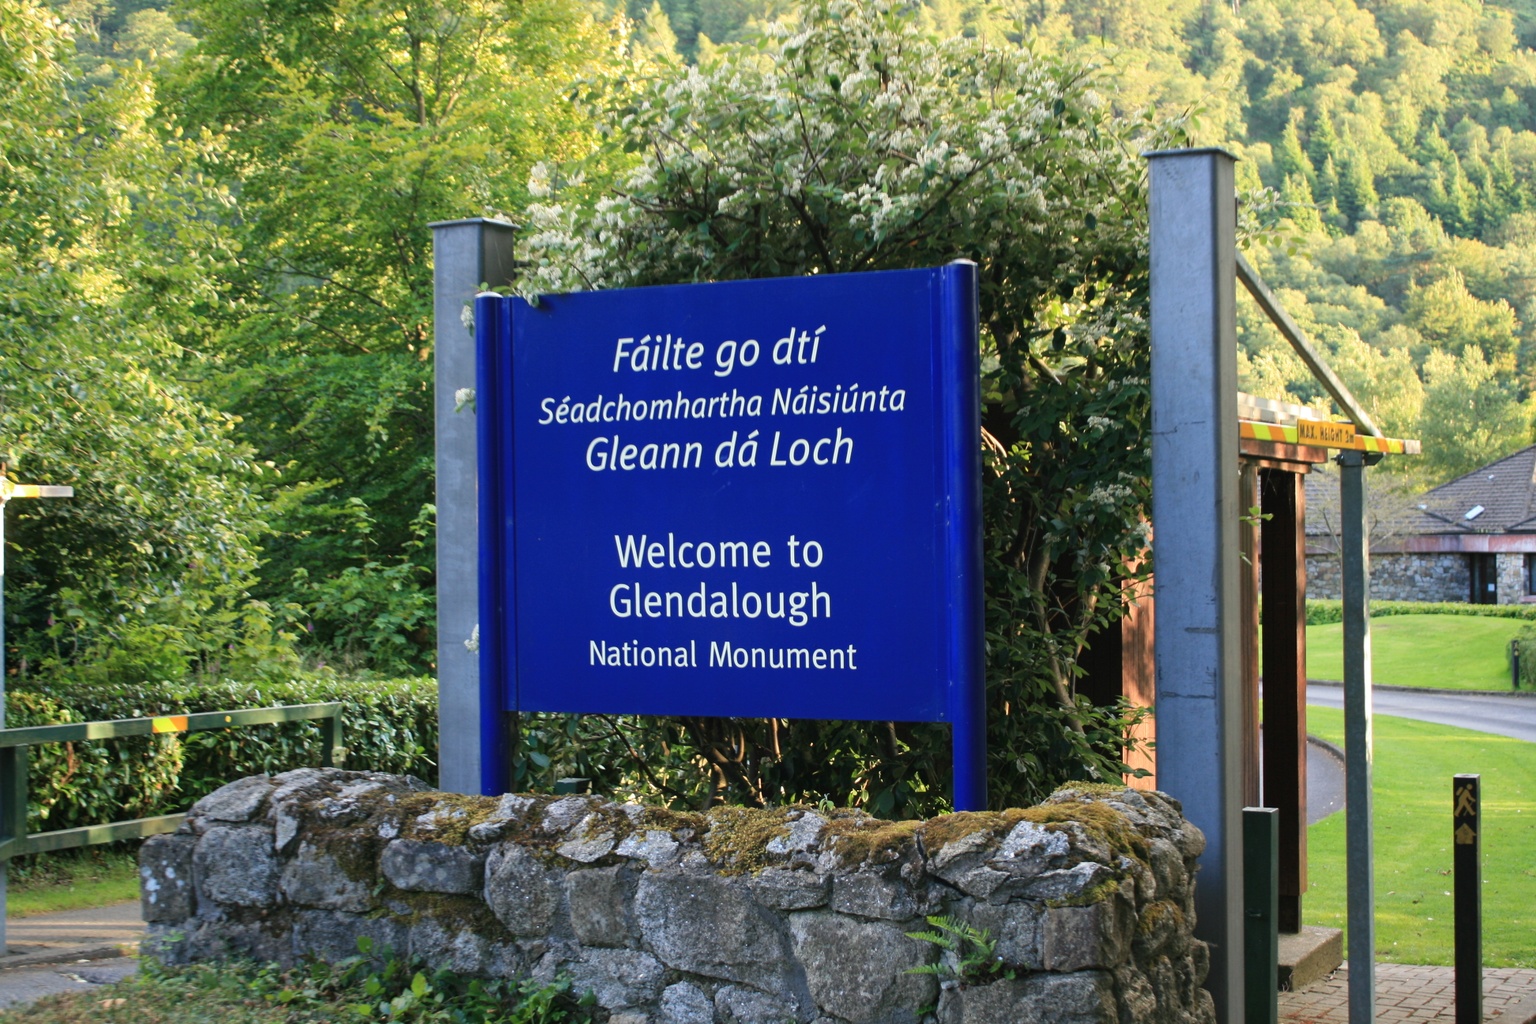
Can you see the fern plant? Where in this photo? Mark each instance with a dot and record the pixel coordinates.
(969, 954)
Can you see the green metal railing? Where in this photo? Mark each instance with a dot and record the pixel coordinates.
(14, 838)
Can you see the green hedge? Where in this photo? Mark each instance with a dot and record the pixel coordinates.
(1321, 612)
(388, 725)
(1527, 640)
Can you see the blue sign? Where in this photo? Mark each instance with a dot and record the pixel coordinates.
(756, 498)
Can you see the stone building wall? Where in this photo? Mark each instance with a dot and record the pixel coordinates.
(1511, 577)
(1397, 577)
(738, 916)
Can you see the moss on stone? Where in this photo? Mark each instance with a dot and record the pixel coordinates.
(1158, 911)
(738, 837)
(455, 814)
(356, 856)
(355, 852)
(609, 818)
(463, 913)
(1089, 789)
(1098, 819)
(1089, 896)
(665, 819)
(856, 837)
(860, 839)
(937, 833)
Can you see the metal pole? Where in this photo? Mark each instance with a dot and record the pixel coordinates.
(967, 660)
(1360, 879)
(1195, 510)
(1466, 823)
(1514, 659)
(466, 255)
(1261, 908)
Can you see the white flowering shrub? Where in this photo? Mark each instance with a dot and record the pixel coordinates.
(851, 141)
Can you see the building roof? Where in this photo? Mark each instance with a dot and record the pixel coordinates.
(1470, 513)
(1390, 507)
(1498, 498)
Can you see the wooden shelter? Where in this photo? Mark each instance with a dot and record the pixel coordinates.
(1275, 456)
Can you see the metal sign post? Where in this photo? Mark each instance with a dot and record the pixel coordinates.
(9, 490)
(1195, 509)
(467, 255)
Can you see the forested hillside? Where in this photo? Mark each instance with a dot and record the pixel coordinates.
(1397, 139)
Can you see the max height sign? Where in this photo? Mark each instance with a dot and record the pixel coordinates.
(755, 499)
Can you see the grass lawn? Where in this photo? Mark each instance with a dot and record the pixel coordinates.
(72, 880)
(1455, 652)
(1414, 763)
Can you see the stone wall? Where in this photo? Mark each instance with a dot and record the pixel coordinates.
(738, 915)
(1396, 577)
(1511, 577)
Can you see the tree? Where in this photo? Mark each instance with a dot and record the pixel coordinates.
(1386, 384)
(1452, 319)
(1323, 140)
(1327, 189)
(902, 151)
(655, 35)
(1291, 160)
(1300, 206)
(150, 35)
(348, 128)
(1357, 191)
(106, 254)
(1472, 413)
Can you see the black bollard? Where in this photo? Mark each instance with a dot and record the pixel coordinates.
(1261, 913)
(1466, 820)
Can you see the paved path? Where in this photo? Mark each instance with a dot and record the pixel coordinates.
(96, 931)
(1325, 781)
(1325, 778)
(68, 951)
(1500, 714)
(1407, 994)
(20, 986)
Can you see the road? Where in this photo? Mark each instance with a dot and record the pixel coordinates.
(1497, 714)
(1500, 715)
